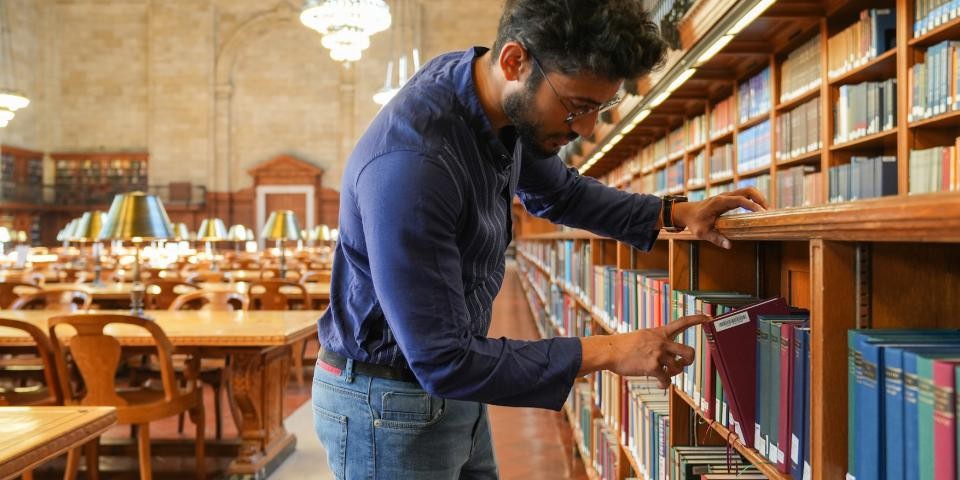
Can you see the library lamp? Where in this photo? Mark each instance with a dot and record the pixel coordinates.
(238, 234)
(4, 238)
(211, 231)
(137, 217)
(88, 230)
(281, 226)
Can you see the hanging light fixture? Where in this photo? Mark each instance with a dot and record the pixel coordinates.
(346, 25)
(10, 99)
(408, 25)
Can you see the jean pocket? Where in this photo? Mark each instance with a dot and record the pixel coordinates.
(331, 428)
(410, 410)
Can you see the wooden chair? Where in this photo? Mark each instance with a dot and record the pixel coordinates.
(40, 366)
(273, 295)
(161, 293)
(206, 300)
(97, 356)
(316, 276)
(56, 300)
(12, 291)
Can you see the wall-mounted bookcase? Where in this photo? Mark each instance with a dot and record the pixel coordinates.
(846, 114)
(97, 177)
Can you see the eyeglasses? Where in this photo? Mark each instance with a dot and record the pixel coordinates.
(573, 116)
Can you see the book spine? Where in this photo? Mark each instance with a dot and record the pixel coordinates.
(945, 425)
(786, 396)
(893, 412)
(910, 413)
(925, 418)
(867, 432)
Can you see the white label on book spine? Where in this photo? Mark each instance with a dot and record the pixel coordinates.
(731, 321)
(794, 449)
(756, 437)
(849, 475)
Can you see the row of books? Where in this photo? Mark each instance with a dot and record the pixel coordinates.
(800, 71)
(722, 117)
(934, 82)
(697, 195)
(717, 189)
(753, 147)
(760, 182)
(677, 141)
(566, 316)
(592, 434)
(721, 161)
(798, 130)
(798, 186)
(930, 14)
(627, 300)
(698, 168)
(660, 182)
(935, 169)
(872, 35)
(676, 173)
(754, 96)
(863, 177)
(697, 130)
(864, 109)
(902, 406)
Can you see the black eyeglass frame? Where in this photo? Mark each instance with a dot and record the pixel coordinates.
(571, 115)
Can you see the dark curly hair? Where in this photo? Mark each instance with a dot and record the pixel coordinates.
(612, 39)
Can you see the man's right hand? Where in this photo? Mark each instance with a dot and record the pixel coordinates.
(650, 352)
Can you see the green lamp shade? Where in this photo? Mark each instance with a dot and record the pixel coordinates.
(67, 233)
(137, 216)
(212, 230)
(282, 225)
(88, 228)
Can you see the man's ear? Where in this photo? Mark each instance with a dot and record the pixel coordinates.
(514, 61)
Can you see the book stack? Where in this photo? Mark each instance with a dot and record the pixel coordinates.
(930, 14)
(754, 96)
(677, 140)
(646, 429)
(864, 109)
(753, 147)
(660, 152)
(627, 300)
(872, 35)
(863, 177)
(565, 317)
(606, 450)
(798, 131)
(798, 186)
(697, 130)
(934, 82)
(675, 176)
(722, 117)
(902, 403)
(800, 72)
(935, 169)
(708, 462)
(698, 169)
(721, 162)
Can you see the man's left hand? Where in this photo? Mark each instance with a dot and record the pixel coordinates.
(700, 217)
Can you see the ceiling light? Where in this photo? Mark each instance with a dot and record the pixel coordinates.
(716, 47)
(750, 16)
(677, 82)
(659, 99)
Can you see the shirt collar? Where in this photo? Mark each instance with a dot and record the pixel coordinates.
(466, 90)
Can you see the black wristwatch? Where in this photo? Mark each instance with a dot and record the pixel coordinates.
(667, 212)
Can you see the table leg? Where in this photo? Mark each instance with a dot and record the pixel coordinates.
(255, 388)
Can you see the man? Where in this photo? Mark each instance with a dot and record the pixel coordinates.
(406, 366)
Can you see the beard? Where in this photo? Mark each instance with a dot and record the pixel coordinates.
(520, 108)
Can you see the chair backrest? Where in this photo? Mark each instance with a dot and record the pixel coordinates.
(12, 291)
(206, 300)
(66, 300)
(316, 276)
(45, 352)
(269, 294)
(97, 356)
(73, 275)
(161, 293)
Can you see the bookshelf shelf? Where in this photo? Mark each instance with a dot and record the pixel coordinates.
(721, 179)
(627, 454)
(755, 171)
(944, 120)
(696, 148)
(674, 157)
(753, 122)
(754, 457)
(947, 31)
(884, 139)
(880, 68)
(799, 99)
(725, 137)
(696, 186)
(809, 157)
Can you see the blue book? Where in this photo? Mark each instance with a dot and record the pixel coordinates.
(884, 29)
(800, 418)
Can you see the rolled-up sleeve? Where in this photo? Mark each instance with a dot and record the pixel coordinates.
(550, 190)
(410, 206)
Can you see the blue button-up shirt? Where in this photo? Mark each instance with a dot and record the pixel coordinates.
(425, 219)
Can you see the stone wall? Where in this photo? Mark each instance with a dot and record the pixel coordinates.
(209, 88)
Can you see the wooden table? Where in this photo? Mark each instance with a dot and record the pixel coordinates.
(258, 344)
(30, 436)
(120, 292)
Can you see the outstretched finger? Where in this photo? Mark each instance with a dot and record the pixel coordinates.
(685, 352)
(730, 202)
(749, 192)
(674, 328)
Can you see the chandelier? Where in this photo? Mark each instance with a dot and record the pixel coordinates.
(408, 30)
(346, 25)
(10, 100)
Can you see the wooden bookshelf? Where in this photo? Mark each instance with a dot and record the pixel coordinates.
(98, 176)
(815, 255)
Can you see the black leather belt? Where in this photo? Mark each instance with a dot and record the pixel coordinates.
(370, 369)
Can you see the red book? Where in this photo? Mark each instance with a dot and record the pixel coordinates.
(944, 421)
(786, 395)
(733, 344)
(709, 385)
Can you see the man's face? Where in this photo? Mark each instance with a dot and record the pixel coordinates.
(539, 112)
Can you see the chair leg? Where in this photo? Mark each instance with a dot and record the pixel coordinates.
(298, 361)
(27, 475)
(93, 458)
(196, 416)
(73, 461)
(217, 394)
(143, 450)
(183, 384)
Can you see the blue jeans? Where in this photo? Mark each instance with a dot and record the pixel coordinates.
(374, 428)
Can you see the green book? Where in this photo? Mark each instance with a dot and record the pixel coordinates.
(925, 408)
